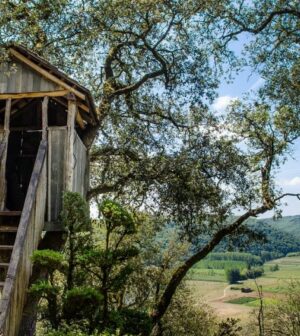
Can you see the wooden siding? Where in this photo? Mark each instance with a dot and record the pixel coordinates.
(56, 170)
(2, 145)
(57, 154)
(28, 237)
(2, 168)
(20, 78)
(80, 166)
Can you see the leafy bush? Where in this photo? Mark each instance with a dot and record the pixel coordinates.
(274, 268)
(52, 260)
(254, 272)
(233, 275)
(81, 303)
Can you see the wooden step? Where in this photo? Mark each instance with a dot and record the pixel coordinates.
(6, 247)
(5, 228)
(4, 265)
(10, 213)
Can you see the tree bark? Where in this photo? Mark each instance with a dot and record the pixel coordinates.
(180, 273)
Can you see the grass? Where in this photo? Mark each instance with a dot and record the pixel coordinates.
(242, 300)
(209, 285)
(204, 274)
(266, 301)
(252, 301)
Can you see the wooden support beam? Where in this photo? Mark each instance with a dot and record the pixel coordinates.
(7, 117)
(79, 118)
(13, 103)
(45, 117)
(58, 93)
(72, 110)
(4, 155)
(46, 73)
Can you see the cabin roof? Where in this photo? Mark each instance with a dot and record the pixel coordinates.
(19, 52)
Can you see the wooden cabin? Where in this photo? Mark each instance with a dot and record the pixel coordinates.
(44, 116)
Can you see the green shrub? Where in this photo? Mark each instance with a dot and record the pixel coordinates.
(254, 272)
(274, 268)
(81, 303)
(233, 275)
(52, 260)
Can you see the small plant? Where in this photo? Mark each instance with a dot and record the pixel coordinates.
(274, 268)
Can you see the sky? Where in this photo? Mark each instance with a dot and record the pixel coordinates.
(288, 178)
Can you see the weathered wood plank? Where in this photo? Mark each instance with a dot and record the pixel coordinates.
(4, 154)
(72, 110)
(58, 93)
(45, 116)
(79, 173)
(45, 73)
(57, 137)
(28, 236)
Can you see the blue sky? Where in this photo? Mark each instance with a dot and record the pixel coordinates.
(288, 178)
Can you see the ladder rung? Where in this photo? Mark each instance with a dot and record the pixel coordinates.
(2, 284)
(4, 265)
(6, 247)
(5, 228)
(10, 213)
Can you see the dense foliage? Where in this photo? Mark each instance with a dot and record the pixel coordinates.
(267, 238)
(153, 68)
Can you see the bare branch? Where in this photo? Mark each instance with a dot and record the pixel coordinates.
(264, 24)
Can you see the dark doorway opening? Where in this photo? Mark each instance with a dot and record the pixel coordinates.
(24, 139)
(21, 154)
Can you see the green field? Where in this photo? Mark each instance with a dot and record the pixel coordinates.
(289, 268)
(210, 285)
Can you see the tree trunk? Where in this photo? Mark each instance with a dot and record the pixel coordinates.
(181, 271)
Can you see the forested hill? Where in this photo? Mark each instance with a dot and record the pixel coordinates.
(289, 224)
(282, 237)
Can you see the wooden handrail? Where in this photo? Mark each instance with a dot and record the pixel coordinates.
(3, 147)
(2, 143)
(2, 150)
(27, 239)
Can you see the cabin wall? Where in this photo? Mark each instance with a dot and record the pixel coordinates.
(17, 77)
(56, 170)
(57, 153)
(80, 167)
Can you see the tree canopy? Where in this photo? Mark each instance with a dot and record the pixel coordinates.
(153, 68)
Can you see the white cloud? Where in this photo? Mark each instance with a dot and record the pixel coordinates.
(222, 102)
(293, 182)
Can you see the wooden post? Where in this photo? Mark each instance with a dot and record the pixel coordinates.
(45, 117)
(72, 111)
(4, 156)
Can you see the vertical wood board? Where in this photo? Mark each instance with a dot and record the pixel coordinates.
(56, 170)
(18, 78)
(80, 166)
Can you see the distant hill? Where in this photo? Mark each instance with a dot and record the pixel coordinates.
(282, 237)
(289, 224)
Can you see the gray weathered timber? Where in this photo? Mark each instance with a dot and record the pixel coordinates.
(2, 144)
(27, 239)
(17, 77)
(57, 137)
(3, 147)
(80, 166)
(72, 111)
(4, 153)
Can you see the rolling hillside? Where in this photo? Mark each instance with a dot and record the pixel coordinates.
(289, 224)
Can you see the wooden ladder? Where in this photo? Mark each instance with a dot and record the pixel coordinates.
(20, 234)
(9, 222)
